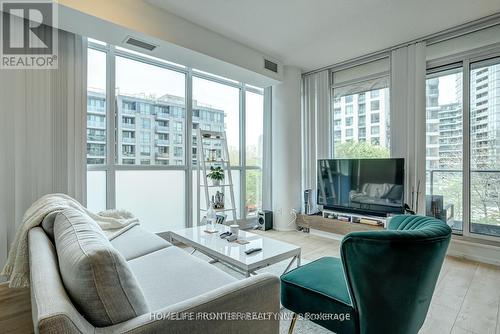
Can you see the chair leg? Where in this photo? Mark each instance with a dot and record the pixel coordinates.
(292, 324)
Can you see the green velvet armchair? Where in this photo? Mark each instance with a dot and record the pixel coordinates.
(383, 282)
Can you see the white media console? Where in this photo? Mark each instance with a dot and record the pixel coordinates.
(356, 218)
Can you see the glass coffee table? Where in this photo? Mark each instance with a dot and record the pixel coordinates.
(232, 254)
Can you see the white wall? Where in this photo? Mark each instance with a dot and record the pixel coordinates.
(286, 147)
(178, 40)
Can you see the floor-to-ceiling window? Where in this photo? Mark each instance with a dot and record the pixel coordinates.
(485, 147)
(463, 146)
(216, 107)
(150, 109)
(97, 140)
(142, 141)
(254, 139)
(444, 145)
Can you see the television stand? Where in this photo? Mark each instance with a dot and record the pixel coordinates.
(333, 225)
(355, 218)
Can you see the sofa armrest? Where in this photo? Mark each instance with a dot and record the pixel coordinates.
(257, 295)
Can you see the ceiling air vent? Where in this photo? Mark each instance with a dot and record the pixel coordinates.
(271, 66)
(140, 44)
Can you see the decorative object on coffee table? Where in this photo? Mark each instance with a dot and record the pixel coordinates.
(211, 219)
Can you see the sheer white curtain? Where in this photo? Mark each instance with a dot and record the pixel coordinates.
(408, 118)
(267, 166)
(316, 126)
(42, 131)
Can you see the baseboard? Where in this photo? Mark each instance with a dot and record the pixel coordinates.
(284, 229)
(474, 251)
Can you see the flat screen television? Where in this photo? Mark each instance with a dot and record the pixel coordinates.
(364, 186)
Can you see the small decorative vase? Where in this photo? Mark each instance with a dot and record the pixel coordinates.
(216, 182)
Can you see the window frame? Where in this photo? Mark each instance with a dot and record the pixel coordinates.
(465, 59)
(111, 166)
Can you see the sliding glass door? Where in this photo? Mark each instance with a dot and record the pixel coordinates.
(485, 147)
(463, 146)
(444, 146)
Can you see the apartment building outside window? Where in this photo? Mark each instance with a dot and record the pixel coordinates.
(350, 136)
(361, 110)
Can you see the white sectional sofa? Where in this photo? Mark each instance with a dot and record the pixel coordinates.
(71, 282)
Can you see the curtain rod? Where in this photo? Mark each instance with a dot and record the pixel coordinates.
(441, 36)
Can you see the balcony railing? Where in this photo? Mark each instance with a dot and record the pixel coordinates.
(128, 111)
(162, 115)
(95, 124)
(98, 138)
(484, 196)
(95, 110)
(128, 140)
(128, 126)
(162, 155)
(160, 128)
(93, 153)
(162, 142)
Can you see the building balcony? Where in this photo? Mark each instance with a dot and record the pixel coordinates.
(96, 154)
(162, 142)
(96, 125)
(128, 140)
(162, 156)
(128, 154)
(95, 110)
(96, 139)
(128, 111)
(162, 129)
(162, 115)
(128, 126)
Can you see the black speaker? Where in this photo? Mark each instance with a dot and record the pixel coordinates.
(265, 220)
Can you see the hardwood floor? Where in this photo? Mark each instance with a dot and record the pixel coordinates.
(15, 310)
(466, 300)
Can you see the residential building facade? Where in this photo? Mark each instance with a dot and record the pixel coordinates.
(149, 131)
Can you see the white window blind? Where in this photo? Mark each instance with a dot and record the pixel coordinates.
(361, 78)
(474, 40)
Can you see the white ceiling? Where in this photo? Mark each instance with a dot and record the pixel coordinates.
(314, 33)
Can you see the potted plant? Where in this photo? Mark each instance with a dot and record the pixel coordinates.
(216, 175)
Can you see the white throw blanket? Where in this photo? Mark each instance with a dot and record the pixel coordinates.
(16, 270)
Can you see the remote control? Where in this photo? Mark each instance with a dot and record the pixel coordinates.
(252, 250)
(225, 235)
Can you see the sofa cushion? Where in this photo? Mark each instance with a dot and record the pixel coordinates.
(48, 224)
(95, 275)
(137, 242)
(172, 275)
